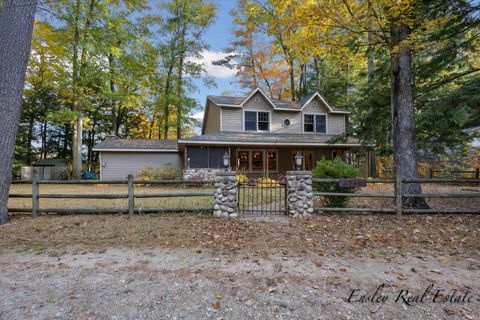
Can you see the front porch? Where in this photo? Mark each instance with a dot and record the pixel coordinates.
(271, 154)
(265, 161)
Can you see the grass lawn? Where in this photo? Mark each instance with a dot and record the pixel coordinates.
(173, 202)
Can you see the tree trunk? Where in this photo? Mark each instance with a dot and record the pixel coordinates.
(292, 78)
(114, 129)
(404, 147)
(31, 123)
(166, 107)
(370, 53)
(77, 125)
(16, 23)
(180, 84)
(44, 140)
(316, 65)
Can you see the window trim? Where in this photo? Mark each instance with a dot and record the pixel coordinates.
(289, 124)
(264, 160)
(314, 114)
(256, 117)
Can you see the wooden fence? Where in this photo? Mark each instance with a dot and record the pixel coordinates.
(398, 195)
(130, 196)
(395, 198)
(464, 174)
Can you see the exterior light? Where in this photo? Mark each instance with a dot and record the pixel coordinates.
(298, 160)
(226, 160)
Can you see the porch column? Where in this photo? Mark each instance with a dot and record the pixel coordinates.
(225, 196)
(299, 193)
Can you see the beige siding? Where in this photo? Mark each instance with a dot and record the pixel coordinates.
(118, 165)
(262, 105)
(295, 122)
(232, 118)
(319, 108)
(335, 122)
(213, 118)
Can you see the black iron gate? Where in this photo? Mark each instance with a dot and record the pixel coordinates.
(262, 196)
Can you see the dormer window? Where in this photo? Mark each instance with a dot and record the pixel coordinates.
(257, 121)
(315, 123)
(256, 99)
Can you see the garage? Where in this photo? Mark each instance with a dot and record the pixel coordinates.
(121, 157)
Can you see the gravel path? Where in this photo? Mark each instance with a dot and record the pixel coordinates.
(198, 284)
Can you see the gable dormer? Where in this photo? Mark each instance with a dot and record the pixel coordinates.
(257, 112)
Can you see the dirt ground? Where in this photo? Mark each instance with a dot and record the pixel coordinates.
(189, 267)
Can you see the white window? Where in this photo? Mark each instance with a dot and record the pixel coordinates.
(256, 99)
(315, 123)
(257, 121)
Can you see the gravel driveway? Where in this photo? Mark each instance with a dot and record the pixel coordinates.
(199, 284)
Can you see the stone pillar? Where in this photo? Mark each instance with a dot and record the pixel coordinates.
(226, 195)
(299, 193)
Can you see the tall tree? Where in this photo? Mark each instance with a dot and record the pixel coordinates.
(16, 24)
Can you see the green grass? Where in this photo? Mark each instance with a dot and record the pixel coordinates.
(171, 202)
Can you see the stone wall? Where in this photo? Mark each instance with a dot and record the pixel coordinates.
(225, 196)
(299, 193)
(200, 174)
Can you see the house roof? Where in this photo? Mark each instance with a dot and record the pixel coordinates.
(231, 101)
(49, 162)
(271, 139)
(112, 143)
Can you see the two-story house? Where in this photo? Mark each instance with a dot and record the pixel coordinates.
(261, 135)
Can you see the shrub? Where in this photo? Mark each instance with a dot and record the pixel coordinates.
(335, 169)
(169, 172)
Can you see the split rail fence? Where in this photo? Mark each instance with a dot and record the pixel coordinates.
(181, 199)
(144, 196)
(472, 196)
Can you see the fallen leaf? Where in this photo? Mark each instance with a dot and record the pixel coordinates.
(216, 305)
(218, 296)
(271, 289)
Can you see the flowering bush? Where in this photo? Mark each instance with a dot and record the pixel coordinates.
(267, 182)
(242, 179)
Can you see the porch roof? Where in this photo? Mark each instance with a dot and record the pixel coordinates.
(272, 139)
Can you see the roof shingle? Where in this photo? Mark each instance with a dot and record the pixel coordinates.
(115, 143)
(271, 138)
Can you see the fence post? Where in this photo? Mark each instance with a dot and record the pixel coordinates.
(131, 196)
(299, 193)
(430, 172)
(477, 173)
(225, 195)
(398, 194)
(35, 203)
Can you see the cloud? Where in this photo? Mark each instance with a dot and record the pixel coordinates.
(211, 69)
(198, 115)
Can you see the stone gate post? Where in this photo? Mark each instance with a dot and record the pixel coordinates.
(225, 195)
(299, 193)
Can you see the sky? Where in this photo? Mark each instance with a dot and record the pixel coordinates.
(218, 38)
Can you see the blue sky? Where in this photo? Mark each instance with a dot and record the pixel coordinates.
(218, 38)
